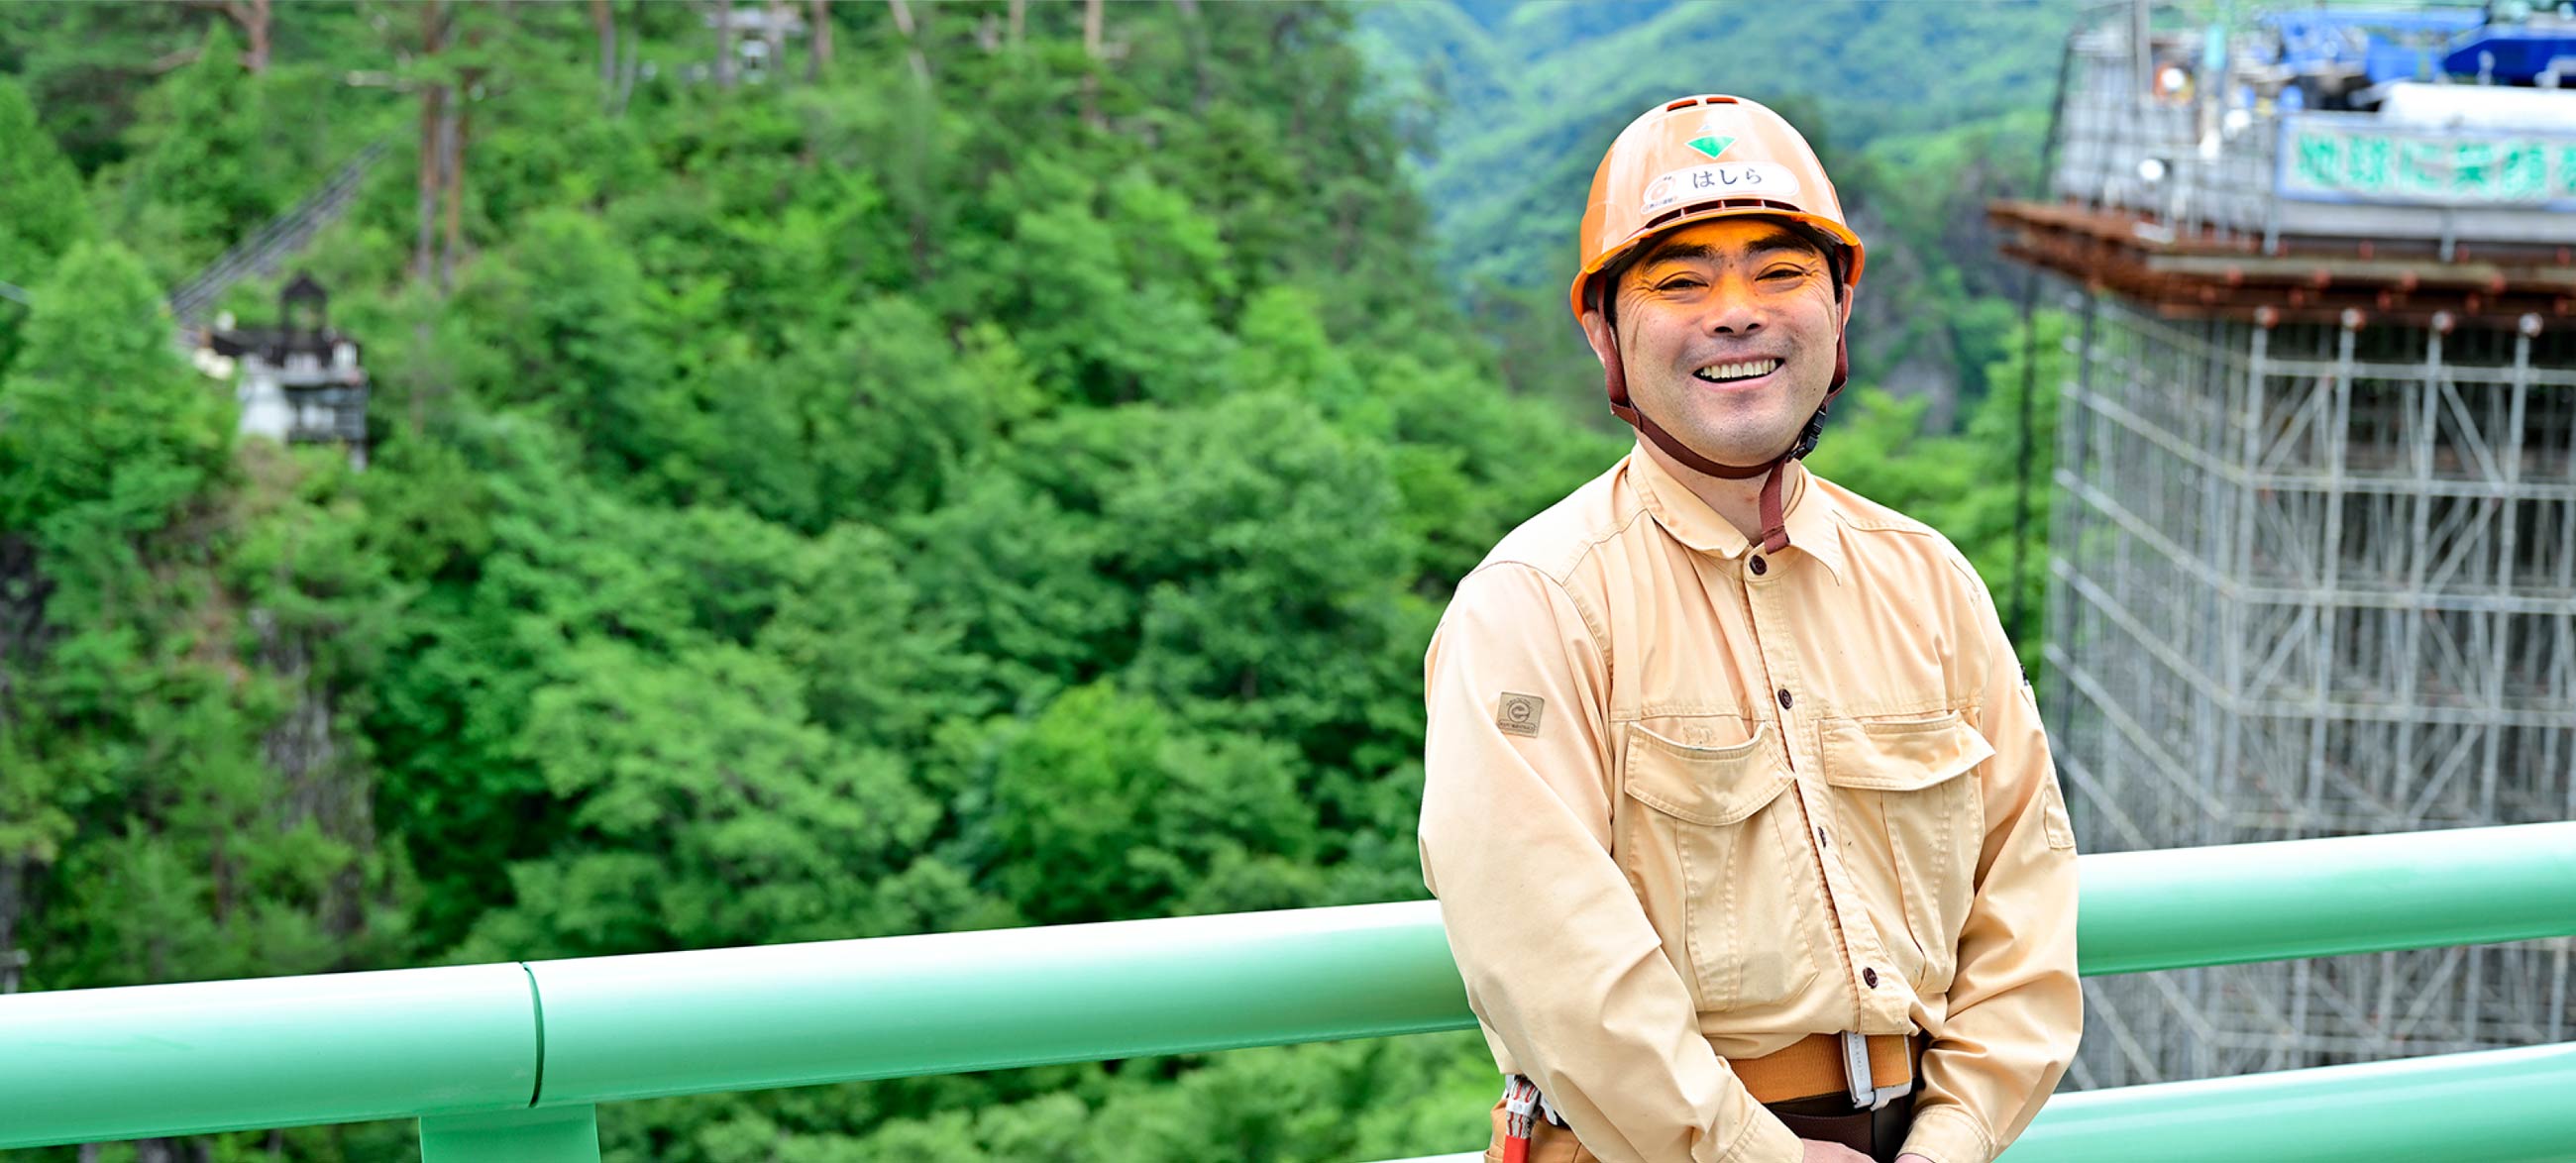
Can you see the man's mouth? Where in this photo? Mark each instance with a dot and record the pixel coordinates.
(1738, 371)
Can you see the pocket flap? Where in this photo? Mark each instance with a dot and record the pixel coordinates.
(1907, 755)
(1714, 786)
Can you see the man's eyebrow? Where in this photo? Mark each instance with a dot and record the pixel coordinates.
(1784, 241)
(1680, 252)
(1697, 251)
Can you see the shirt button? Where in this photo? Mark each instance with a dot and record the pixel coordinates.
(1784, 698)
(1759, 566)
(1822, 841)
(1869, 977)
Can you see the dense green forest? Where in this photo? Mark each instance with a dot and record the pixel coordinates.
(976, 470)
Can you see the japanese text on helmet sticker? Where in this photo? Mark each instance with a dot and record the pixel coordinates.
(1722, 180)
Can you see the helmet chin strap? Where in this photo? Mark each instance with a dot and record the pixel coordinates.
(1775, 528)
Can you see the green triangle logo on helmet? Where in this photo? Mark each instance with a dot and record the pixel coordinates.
(1711, 144)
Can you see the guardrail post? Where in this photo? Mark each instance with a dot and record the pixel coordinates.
(563, 1134)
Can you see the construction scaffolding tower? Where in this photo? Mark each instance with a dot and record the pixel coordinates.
(2313, 544)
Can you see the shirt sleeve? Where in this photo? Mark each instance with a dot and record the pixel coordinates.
(2016, 1007)
(1561, 964)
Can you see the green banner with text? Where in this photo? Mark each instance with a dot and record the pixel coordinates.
(2328, 162)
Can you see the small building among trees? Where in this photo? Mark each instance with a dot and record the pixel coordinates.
(300, 380)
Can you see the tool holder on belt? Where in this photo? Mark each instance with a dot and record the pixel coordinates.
(1858, 1080)
(1863, 1064)
(1523, 1106)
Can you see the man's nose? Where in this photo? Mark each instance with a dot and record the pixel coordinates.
(1733, 311)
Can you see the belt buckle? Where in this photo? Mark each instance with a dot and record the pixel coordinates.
(1860, 1084)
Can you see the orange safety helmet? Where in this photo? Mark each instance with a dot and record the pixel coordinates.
(1691, 160)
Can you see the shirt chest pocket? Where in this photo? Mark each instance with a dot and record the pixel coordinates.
(1705, 842)
(1911, 820)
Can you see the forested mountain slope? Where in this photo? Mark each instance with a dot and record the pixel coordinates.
(970, 473)
(863, 501)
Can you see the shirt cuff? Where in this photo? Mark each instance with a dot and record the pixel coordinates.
(1949, 1134)
(1763, 1139)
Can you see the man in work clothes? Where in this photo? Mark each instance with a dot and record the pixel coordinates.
(1743, 826)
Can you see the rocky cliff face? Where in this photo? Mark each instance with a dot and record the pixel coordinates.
(324, 779)
(22, 608)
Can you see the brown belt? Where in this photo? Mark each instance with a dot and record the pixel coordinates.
(1813, 1066)
(1810, 1068)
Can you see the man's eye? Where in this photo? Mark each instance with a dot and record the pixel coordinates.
(1682, 283)
(1784, 272)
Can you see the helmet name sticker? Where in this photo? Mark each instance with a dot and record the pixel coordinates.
(1722, 180)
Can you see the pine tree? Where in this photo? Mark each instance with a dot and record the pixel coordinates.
(41, 211)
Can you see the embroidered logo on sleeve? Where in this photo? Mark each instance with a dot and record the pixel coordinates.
(1519, 714)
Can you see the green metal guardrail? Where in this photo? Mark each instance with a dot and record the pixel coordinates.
(508, 1062)
(2494, 1106)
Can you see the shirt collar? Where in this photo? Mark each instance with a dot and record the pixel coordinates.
(1813, 522)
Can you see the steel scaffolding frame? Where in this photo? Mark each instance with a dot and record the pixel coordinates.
(2314, 580)
(2191, 170)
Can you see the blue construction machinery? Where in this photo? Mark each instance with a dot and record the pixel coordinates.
(2340, 56)
(2518, 43)
(2371, 47)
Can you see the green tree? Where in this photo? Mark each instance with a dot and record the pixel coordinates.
(41, 211)
(99, 419)
(568, 315)
(198, 178)
(752, 825)
(1104, 807)
(135, 725)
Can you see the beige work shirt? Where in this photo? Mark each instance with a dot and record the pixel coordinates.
(1688, 802)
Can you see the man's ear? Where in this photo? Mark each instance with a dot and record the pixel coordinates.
(1596, 331)
(1844, 301)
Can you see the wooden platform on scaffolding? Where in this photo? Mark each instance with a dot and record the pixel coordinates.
(2204, 273)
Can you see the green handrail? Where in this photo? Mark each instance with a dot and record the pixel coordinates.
(783, 1015)
(2488, 1106)
(2492, 1106)
(2182, 907)
(495, 1059)
(84, 1064)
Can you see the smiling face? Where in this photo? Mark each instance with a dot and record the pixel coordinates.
(1727, 334)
